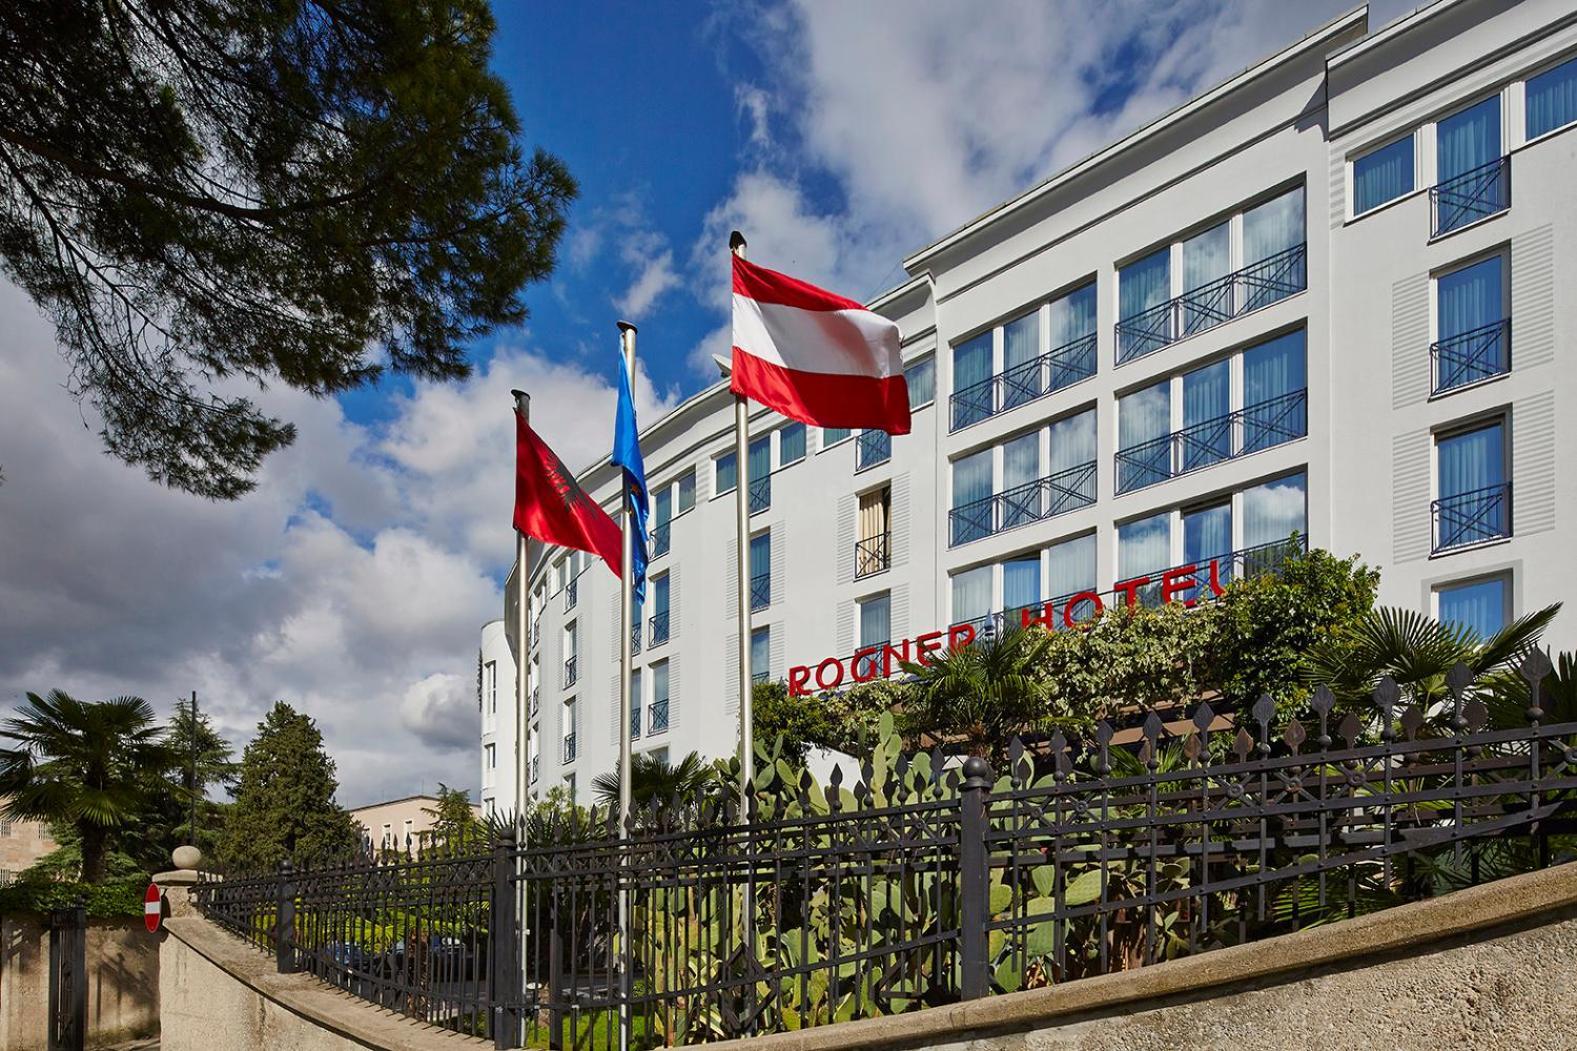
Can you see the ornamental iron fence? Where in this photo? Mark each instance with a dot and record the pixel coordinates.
(1469, 518)
(929, 880)
(1023, 383)
(1055, 494)
(1471, 357)
(1257, 285)
(872, 555)
(761, 591)
(1250, 429)
(660, 626)
(1475, 194)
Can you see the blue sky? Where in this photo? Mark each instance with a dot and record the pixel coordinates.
(839, 136)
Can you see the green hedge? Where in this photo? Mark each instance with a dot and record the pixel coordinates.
(111, 899)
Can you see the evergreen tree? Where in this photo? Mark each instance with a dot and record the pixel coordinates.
(200, 192)
(454, 821)
(284, 801)
(215, 768)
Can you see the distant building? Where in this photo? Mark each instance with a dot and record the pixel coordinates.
(497, 701)
(399, 822)
(22, 843)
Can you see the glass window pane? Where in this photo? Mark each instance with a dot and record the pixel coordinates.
(1471, 461)
(760, 554)
(660, 594)
(1144, 547)
(760, 473)
(686, 491)
(791, 443)
(761, 654)
(1552, 99)
(1073, 316)
(1144, 419)
(1468, 139)
(972, 480)
(1072, 567)
(833, 435)
(1275, 510)
(1207, 258)
(1207, 395)
(727, 472)
(921, 379)
(972, 594)
(1020, 584)
(1142, 287)
(1382, 175)
(663, 505)
(1479, 605)
(1023, 373)
(1275, 398)
(875, 620)
(1469, 298)
(1072, 442)
(1273, 227)
(1207, 535)
(971, 369)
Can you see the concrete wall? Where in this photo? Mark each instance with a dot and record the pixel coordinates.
(123, 981)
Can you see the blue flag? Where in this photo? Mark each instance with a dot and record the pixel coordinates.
(627, 454)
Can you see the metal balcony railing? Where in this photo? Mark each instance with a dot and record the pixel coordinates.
(635, 637)
(761, 591)
(1471, 518)
(1043, 498)
(660, 538)
(872, 555)
(1478, 354)
(569, 747)
(658, 626)
(635, 720)
(1023, 383)
(536, 699)
(536, 631)
(657, 716)
(571, 590)
(569, 672)
(536, 768)
(1257, 285)
(1471, 196)
(1252, 428)
(760, 494)
(872, 448)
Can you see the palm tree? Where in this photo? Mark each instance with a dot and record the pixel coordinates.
(1418, 652)
(981, 694)
(653, 780)
(96, 766)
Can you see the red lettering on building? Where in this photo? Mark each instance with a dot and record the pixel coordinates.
(1178, 580)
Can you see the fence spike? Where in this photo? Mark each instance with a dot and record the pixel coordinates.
(1294, 735)
(1204, 715)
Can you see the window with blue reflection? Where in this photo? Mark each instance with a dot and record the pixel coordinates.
(1275, 392)
(1382, 175)
(921, 381)
(1144, 549)
(1020, 585)
(791, 444)
(760, 570)
(1142, 286)
(727, 472)
(971, 513)
(1207, 534)
(1470, 305)
(1144, 452)
(761, 655)
(1552, 99)
(1479, 605)
(971, 369)
(876, 615)
(834, 435)
(1468, 139)
(1207, 405)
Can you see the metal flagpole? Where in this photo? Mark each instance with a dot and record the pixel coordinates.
(522, 716)
(747, 748)
(626, 658)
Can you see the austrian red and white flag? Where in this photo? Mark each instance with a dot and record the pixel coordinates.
(815, 356)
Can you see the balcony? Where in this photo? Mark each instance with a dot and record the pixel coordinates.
(536, 631)
(536, 699)
(660, 536)
(570, 671)
(1024, 383)
(1253, 428)
(658, 627)
(872, 556)
(1207, 306)
(635, 637)
(635, 720)
(872, 448)
(571, 590)
(761, 591)
(536, 768)
(1047, 497)
(1476, 355)
(1471, 518)
(657, 716)
(569, 747)
(760, 495)
(1471, 196)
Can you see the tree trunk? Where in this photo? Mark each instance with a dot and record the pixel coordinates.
(92, 852)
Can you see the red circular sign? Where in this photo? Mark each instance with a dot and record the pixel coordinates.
(152, 908)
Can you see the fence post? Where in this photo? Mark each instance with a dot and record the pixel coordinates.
(974, 883)
(555, 976)
(502, 935)
(285, 920)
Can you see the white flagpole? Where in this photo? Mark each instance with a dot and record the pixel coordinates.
(626, 659)
(747, 747)
(522, 707)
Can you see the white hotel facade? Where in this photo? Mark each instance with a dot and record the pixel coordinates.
(1323, 297)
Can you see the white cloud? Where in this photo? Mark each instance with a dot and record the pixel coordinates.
(655, 275)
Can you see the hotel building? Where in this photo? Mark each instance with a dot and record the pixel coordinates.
(1320, 299)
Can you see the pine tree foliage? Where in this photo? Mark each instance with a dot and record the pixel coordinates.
(284, 801)
(211, 195)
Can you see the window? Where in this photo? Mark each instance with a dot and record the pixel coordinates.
(972, 595)
(686, 491)
(1144, 549)
(761, 655)
(5, 830)
(635, 703)
(1072, 453)
(831, 436)
(727, 466)
(872, 448)
(1143, 288)
(659, 755)
(409, 826)
(1144, 420)
(569, 730)
(873, 549)
(791, 444)
(571, 654)
(388, 832)
(1478, 605)
(1473, 332)
(971, 517)
(662, 518)
(490, 677)
(1023, 380)
(490, 760)
(1272, 512)
(569, 786)
(1382, 175)
(1552, 99)
(876, 620)
(1207, 259)
(971, 380)
(1474, 503)
(534, 753)
(1020, 585)
(1020, 477)
(761, 570)
(1071, 566)
(1207, 401)
(657, 715)
(1072, 355)
(1207, 535)
(760, 473)
(1272, 229)
(921, 380)
(1470, 181)
(662, 596)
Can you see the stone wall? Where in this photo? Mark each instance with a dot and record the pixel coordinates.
(123, 981)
